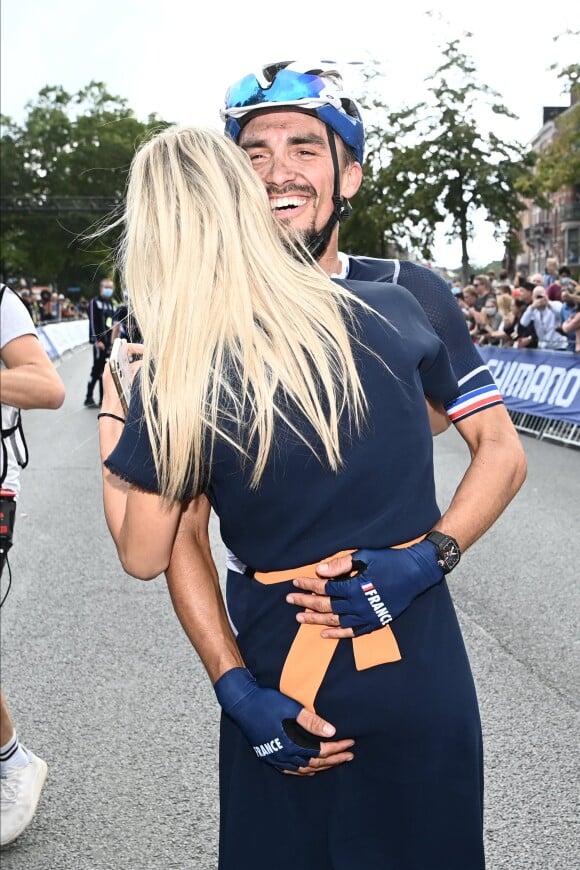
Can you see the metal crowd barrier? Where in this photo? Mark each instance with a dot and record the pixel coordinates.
(543, 428)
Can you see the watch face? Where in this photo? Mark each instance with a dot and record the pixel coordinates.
(450, 554)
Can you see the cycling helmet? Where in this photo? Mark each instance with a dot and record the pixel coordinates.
(316, 88)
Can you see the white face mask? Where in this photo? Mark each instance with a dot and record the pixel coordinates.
(491, 310)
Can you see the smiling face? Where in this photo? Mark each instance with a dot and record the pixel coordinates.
(290, 152)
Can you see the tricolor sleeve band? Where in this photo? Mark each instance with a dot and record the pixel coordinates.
(475, 400)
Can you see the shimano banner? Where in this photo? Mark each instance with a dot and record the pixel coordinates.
(541, 382)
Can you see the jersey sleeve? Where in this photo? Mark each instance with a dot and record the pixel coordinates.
(477, 389)
(132, 459)
(437, 377)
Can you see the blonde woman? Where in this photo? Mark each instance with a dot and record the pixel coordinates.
(295, 407)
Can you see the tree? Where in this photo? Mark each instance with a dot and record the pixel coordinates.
(434, 161)
(63, 170)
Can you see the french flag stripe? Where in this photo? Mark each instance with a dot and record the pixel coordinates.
(366, 586)
(474, 400)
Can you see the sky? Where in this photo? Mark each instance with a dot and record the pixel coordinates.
(177, 59)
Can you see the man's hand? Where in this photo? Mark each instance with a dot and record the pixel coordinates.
(386, 583)
(281, 732)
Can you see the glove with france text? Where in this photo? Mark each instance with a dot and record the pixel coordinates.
(267, 719)
(386, 583)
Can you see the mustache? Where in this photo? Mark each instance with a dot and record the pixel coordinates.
(289, 189)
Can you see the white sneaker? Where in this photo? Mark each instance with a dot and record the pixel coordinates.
(20, 790)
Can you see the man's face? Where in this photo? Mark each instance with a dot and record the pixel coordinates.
(540, 300)
(106, 288)
(290, 152)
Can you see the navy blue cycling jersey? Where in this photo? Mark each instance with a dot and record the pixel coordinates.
(384, 493)
(477, 389)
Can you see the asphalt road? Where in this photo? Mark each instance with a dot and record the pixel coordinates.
(104, 685)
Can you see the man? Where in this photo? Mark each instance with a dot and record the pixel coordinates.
(545, 321)
(28, 379)
(101, 311)
(555, 287)
(569, 311)
(525, 335)
(305, 139)
(483, 288)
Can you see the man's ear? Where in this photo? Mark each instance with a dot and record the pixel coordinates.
(351, 180)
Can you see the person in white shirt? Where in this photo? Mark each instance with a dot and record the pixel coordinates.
(545, 320)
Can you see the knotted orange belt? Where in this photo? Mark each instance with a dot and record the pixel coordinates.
(310, 655)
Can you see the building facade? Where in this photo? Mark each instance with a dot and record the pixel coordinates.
(553, 231)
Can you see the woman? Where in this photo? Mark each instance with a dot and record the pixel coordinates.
(295, 406)
(489, 329)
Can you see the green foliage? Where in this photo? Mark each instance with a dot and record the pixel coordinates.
(436, 161)
(559, 163)
(64, 171)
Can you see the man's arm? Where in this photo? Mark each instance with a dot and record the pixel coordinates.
(438, 420)
(193, 583)
(495, 474)
(30, 379)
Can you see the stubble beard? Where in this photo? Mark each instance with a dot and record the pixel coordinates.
(295, 239)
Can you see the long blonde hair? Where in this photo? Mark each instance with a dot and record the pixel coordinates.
(231, 315)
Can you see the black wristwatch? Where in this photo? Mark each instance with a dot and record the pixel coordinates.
(448, 552)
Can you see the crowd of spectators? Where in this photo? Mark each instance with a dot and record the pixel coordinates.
(46, 306)
(539, 311)
(542, 311)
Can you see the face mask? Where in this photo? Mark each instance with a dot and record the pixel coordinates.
(107, 292)
(491, 311)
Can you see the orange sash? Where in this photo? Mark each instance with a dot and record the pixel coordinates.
(310, 655)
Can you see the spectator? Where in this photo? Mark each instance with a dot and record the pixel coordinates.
(486, 330)
(467, 302)
(570, 314)
(101, 310)
(545, 321)
(551, 272)
(483, 288)
(45, 314)
(492, 279)
(554, 289)
(24, 294)
(505, 304)
(514, 336)
(28, 379)
(526, 335)
(504, 290)
(537, 279)
(504, 277)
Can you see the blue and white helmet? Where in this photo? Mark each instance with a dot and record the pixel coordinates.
(316, 88)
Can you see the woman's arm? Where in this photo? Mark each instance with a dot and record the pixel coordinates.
(142, 524)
